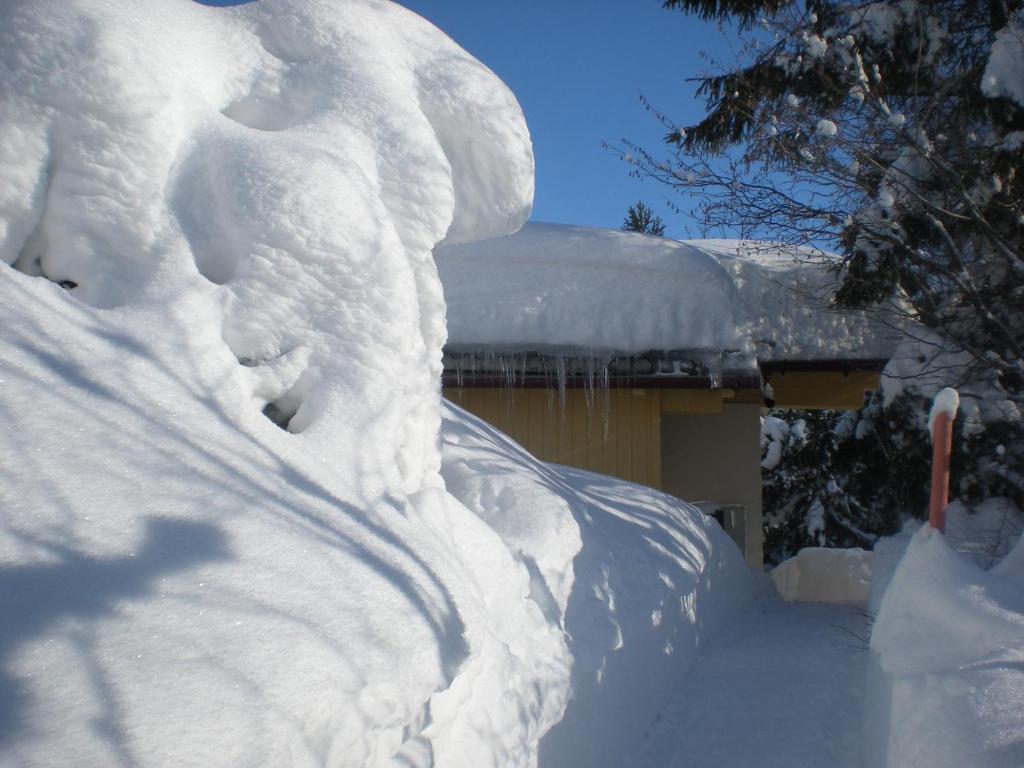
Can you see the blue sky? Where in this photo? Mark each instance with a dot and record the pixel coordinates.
(578, 69)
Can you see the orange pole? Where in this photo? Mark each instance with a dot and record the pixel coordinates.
(942, 448)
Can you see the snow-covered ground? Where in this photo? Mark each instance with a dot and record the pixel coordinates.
(779, 685)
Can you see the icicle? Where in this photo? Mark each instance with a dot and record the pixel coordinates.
(588, 392)
(715, 372)
(605, 400)
(560, 374)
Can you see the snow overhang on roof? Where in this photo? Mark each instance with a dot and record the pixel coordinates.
(560, 302)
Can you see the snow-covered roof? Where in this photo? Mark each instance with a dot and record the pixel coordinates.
(556, 287)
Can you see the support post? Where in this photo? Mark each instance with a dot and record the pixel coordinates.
(942, 448)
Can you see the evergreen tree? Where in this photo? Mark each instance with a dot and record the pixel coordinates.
(891, 133)
(640, 218)
(844, 478)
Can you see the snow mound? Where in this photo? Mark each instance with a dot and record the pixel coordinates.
(987, 531)
(948, 644)
(594, 289)
(636, 579)
(224, 537)
(820, 575)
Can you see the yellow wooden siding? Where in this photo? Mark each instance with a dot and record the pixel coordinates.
(823, 389)
(693, 400)
(628, 445)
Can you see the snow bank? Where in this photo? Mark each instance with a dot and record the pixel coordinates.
(986, 532)
(636, 578)
(624, 292)
(820, 575)
(948, 650)
(224, 538)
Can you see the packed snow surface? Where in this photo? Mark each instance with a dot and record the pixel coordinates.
(594, 289)
(948, 655)
(778, 686)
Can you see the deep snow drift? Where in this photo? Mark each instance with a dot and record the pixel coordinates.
(241, 206)
(636, 578)
(225, 538)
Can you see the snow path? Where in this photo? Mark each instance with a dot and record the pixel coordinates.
(781, 684)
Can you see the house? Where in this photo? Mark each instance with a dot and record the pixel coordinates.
(650, 359)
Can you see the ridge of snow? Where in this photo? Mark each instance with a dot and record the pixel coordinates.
(593, 288)
(636, 578)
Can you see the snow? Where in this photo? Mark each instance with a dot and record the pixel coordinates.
(778, 686)
(589, 288)
(987, 531)
(1004, 73)
(556, 286)
(240, 528)
(947, 401)
(636, 579)
(774, 432)
(948, 646)
(228, 536)
(816, 46)
(242, 205)
(820, 575)
(826, 128)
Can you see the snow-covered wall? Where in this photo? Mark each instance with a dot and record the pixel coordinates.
(636, 579)
(207, 213)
